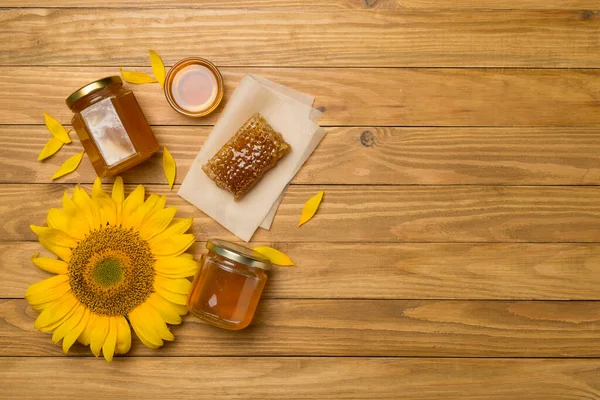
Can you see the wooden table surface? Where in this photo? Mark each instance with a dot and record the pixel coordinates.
(456, 254)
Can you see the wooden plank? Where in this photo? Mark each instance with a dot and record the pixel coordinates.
(354, 96)
(359, 38)
(361, 155)
(300, 378)
(332, 5)
(360, 328)
(394, 271)
(372, 213)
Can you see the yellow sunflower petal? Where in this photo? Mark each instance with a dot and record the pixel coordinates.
(72, 335)
(153, 318)
(182, 285)
(158, 207)
(54, 236)
(56, 129)
(175, 267)
(64, 253)
(99, 334)
(133, 201)
(177, 298)
(180, 309)
(118, 191)
(118, 196)
(169, 167)
(143, 330)
(105, 204)
(310, 208)
(137, 78)
(51, 265)
(84, 203)
(177, 227)
(173, 246)
(55, 313)
(165, 308)
(275, 256)
(157, 223)
(108, 348)
(74, 212)
(68, 166)
(158, 68)
(72, 223)
(86, 335)
(123, 335)
(69, 324)
(135, 219)
(52, 146)
(47, 291)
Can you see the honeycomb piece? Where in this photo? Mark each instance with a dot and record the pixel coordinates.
(243, 160)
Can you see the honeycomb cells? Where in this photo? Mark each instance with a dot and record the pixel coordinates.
(246, 157)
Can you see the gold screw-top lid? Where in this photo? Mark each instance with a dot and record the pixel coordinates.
(92, 87)
(238, 253)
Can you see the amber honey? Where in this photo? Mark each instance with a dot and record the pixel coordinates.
(194, 87)
(228, 285)
(111, 126)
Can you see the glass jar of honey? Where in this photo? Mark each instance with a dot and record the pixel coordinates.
(111, 126)
(228, 285)
(194, 87)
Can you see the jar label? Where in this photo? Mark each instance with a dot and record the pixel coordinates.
(108, 132)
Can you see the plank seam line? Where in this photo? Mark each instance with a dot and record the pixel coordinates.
(73, 357)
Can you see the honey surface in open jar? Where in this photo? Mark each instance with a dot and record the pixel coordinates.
(194, 87)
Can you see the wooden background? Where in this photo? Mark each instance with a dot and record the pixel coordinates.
(456, 254)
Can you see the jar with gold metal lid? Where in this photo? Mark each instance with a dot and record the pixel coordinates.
(111, 126)
(228, 285)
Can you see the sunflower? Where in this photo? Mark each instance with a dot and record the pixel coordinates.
(121, 263)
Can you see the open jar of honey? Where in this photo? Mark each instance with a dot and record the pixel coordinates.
(228, 285)
(194, 87)
(111, 126)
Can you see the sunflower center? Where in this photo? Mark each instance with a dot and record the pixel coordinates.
(108, 272)
(112, 271)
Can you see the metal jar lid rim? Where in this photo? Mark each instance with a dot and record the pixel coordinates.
(237, 253)
(92, 87)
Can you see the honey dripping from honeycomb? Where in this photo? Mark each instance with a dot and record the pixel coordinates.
(246, 157)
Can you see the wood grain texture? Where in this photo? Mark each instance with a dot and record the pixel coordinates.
(390, 38)
(360, 328)
(301, 378)
(361, 155)
(331, 5)
(355, 96)
(373, 213)
(393, 271)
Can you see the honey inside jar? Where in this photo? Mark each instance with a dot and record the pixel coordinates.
(194, 87)
(228, 285)
(111, 126)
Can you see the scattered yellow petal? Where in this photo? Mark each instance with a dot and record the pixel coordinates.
(68, 166)
(158, 68)
(275, 256)
(137, 77)
(57, 130)
(52, 146)
(310, 208)
(169, 166)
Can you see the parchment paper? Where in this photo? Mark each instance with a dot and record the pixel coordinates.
(288, 112)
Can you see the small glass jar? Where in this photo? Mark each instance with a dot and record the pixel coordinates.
(111, 126)
(228, 285)
(194, 87)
